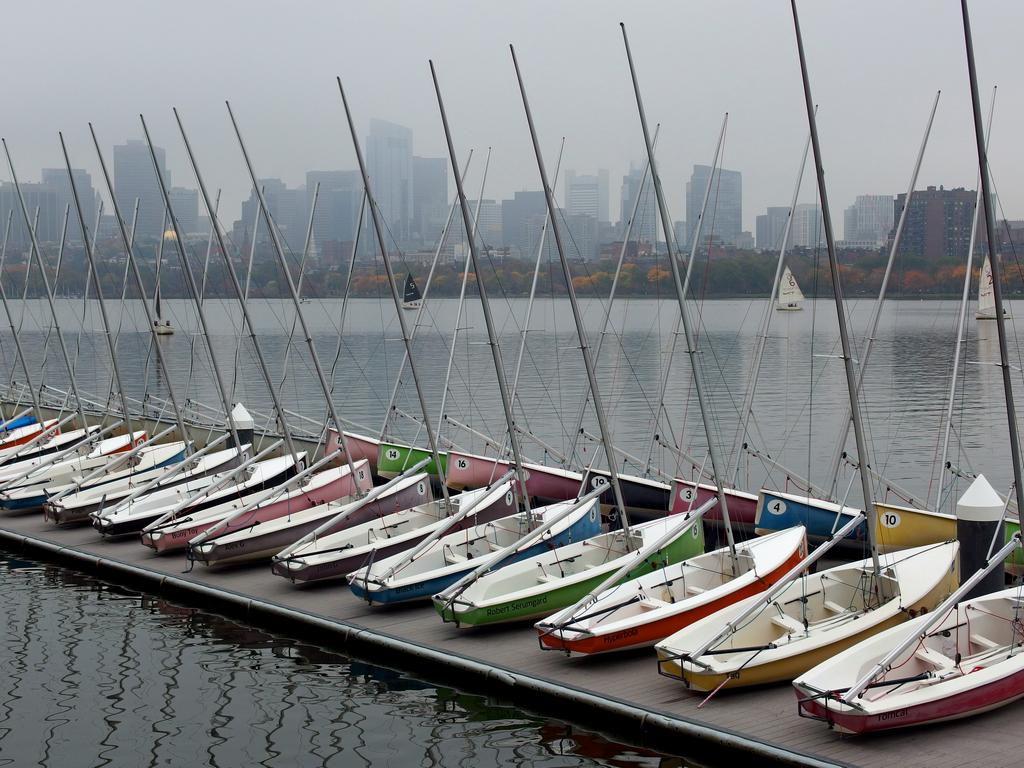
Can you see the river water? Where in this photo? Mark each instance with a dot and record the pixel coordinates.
(798, 409)
(98, 675)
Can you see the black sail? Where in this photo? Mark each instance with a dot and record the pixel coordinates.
(412, 291)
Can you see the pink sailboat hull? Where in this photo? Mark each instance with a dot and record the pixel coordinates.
(687, 494)
(362, 447)
(970, 702)
(547, 484)
(323, 487)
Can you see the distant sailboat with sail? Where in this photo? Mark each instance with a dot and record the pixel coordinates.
(161, 325)
(986, 298)
(412, 299)
(790, 295)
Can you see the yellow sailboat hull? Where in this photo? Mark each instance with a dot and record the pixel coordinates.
(904, 527)
(789, 668)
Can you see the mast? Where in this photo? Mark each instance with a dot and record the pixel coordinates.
(46, 284)
(748, 400)
(275, 239)
(14, 332)
(128, 242)
(423, 304)
(961, 322)
(233, 275)
(190, 280)
(307, 243)
(406, 339)
(877, 313)
(691, 349)
(844, 335)
(614, 289)
(462, 300)
(993, 257)
(492, 338)
(159, 259)
(97, 283)
(533, 293)
(577, 317)
(694, 245)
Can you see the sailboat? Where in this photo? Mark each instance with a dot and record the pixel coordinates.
(790, 295)
(986, 297)
(161, 326)
(411, 298)
(807, 618)
(964, 658)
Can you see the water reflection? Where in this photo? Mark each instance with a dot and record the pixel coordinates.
(799, 407)
(100, 675)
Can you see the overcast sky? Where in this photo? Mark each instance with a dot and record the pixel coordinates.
(875, 67)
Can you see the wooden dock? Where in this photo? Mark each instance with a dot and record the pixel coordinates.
(622, 695)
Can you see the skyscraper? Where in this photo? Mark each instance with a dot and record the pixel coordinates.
(429, 199)
(337, 209)
(287, 208)
(519, 217)
(938, 223)
(134, 178)
(57, 180)
(587, 195)
(185, 203)
(41, 196)
(645, 228)
(725, 204)
(808, 229)
(869, 219)
(771, 226)
(389, 161)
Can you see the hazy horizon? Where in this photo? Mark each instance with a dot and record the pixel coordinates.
(874, 66)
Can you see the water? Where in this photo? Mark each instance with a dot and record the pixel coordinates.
(801, 395)
(97, 675)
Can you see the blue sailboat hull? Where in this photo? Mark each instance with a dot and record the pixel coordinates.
(582, 529)
(21, 421)
(36, 502)
(776, 512)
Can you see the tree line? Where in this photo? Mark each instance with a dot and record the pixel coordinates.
(723, 274)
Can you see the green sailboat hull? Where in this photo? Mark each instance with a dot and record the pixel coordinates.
(393, 459)
(539, 605)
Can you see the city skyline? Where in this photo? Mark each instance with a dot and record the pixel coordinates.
(288, 107)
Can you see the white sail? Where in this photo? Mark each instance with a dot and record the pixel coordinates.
(790, 294)
(986, 297)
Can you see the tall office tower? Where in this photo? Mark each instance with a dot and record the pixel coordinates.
(868, 220)
(725, 204)
(645, 228)
(519, 217)
(185, 203)
(134, 178)
(587, 195)
(808, 226)
(57, 180)
(389, 161)
(771, 226)
(337, 212)
(938, 223)
(288, 209)
(429, 199)
(37, 196)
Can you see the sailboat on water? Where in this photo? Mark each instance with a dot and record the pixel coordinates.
(412, 298)
(986, 297)
(161, 326)
(790, 295)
